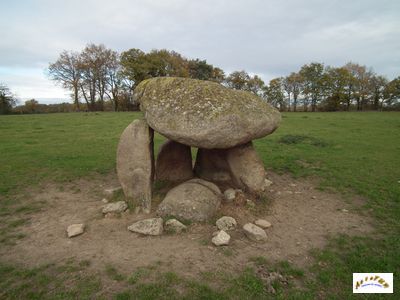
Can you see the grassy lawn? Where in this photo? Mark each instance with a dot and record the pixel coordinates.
(352, 153)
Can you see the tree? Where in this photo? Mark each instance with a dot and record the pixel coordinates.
(238, 80)
(256, 85)
(65, 70)
(313, 83)
(378, 84)
(274, 93)
(391, 92)
(31, 106)
(294, 84)
(200, 69)
(361, 77)
(7, 100)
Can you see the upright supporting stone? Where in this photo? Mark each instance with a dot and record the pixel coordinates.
(211, 165)
(247, 168)
(239, 166)
(135, 163)
(174, 162)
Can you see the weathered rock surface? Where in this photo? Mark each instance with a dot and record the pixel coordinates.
(221, 238)
(115, 207)
(75, 230)
(204, 114)
(135, 163)
(247, 168)
(153, 226)
(190, 201)
(254, 233)
(206, 183)
(226, 223)
(230, 195)
(173, 225)
(174, 162)
(262, 223)
(239, 166)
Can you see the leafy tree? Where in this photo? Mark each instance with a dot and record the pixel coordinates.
(7, 100)
(391, 92)
(294, 85)
(238, 80)
(361, 77)
(274, 93)
(313, 83)
(378, 84)
(31, 106)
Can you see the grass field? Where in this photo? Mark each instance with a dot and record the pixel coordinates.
(352, 153)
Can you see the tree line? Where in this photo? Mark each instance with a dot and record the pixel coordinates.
(99, 78)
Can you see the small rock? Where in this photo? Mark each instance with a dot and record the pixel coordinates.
(111, 191)
(250, 203)
(153, 226)
(267, 182)
(104, 200)
(75, 229)
(221, 239)
(173, 225)
(230, 195)
(262, 223)
(254, 233)
(226, 223)
(115, 207)
(313, 197)
(345, 210)
(293, 184)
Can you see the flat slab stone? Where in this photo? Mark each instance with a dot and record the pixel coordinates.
(135, 163)
(254, 233)
(152, 226)
(204, 114)
(115, 207)
(174, 162)
(75, 230)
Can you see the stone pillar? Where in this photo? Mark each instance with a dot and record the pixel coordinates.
(135, 163)
(174, 162)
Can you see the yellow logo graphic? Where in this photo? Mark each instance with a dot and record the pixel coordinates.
(373, 280)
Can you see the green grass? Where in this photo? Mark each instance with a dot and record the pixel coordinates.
(352, 153)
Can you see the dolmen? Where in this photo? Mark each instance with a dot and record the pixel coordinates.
(220, 122)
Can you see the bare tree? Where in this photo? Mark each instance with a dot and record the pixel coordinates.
(66, 72)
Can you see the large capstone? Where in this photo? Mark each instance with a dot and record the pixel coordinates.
(135, 163)
(194, 200)
(174, 162)
(204, 114)
(238, 166)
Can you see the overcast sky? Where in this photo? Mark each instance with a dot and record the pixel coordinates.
(269, 38)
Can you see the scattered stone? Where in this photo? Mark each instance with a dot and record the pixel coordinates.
(293, 185)
(267, 183)
(190, 201)
(250, 203)
(153, 226)
(221, 238)
(263, 223)
(345, 210)
(204, 114)
(115, 207)
(174, 162)
(173, 225)
(230, 195)
(254, 233)
(226, 223)
(135, 163)
(111, 191)
(104, 200)
(313, 197)
(75, 230)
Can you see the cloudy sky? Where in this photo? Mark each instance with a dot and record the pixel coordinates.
(266, 37)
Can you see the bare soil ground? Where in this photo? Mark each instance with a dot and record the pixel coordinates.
(302, 218)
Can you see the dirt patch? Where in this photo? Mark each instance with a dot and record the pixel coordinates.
(302, 217)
